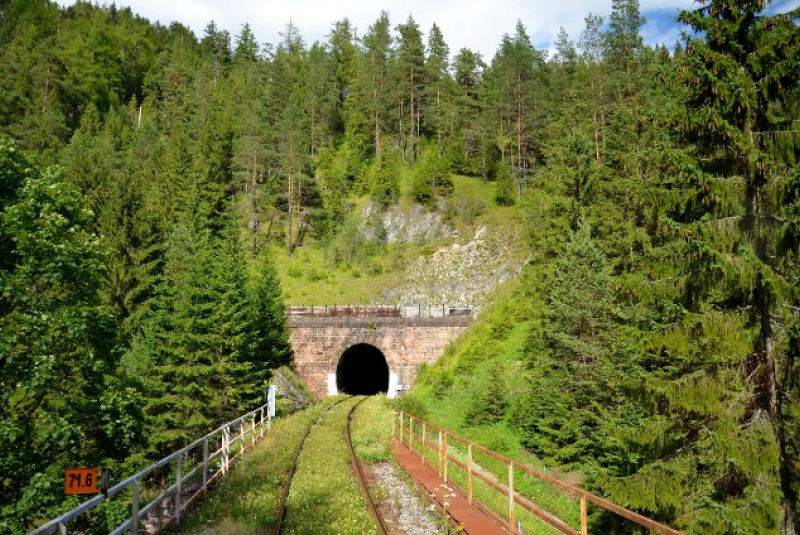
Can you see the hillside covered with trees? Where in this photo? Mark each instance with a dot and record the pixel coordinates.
(154, 182)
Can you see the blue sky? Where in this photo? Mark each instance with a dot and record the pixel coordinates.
(477, 24)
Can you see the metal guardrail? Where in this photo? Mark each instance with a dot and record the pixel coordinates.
(230, 443)
(430, 436)
(379, 311)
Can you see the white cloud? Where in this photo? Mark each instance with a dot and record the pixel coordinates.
(476, 24)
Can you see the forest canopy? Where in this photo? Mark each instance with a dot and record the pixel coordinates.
(147, 174)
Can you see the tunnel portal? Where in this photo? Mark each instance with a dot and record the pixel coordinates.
(362, 371)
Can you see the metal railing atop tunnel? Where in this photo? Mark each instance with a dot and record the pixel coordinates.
(456, 464)
(379, 311)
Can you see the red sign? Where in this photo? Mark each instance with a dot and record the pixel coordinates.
(82, 481)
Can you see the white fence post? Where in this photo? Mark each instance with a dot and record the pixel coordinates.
(205, 464)
(135, 508)
(179, 479)
(225, 440)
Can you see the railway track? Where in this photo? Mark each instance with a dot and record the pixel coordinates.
(357, 469)
(359, 473)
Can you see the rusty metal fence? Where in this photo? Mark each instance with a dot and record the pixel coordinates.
(455, 460)
(378, 311)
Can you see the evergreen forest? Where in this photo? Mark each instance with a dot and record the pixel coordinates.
(153, 183)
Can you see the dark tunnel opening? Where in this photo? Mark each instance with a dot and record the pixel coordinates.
(362, 371)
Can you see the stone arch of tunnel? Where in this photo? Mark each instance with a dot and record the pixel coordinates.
(362, 371)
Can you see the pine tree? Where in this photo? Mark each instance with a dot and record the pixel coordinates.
(515, 90)
(267, 336)
(375, 73)
(471, 140)
(410, 80)
(431, 178)
(246, 45)
(623, 40)
(592, 55)
(437, 65)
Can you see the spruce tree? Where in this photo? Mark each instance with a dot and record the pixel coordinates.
(736, 76)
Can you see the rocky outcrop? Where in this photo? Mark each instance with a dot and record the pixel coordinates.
(461, 274)
(416, 226)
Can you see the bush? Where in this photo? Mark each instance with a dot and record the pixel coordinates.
(490, 404)
(504, 194)
(412, 404)
(431, 178)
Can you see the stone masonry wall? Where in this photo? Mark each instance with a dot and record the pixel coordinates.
(318, 344)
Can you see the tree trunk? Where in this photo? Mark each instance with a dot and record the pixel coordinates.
(290, 203)
(377, 130)
(520, 113)
(439, 119)
(411, 110)
(313, 125)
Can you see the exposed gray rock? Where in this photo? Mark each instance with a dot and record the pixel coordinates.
(291, 395)
(396, 226)
(462, 274)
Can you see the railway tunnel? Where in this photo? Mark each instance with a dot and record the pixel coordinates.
(362, 371)
(369, 349)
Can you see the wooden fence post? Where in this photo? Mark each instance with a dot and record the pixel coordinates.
(226, 433)
(411, 433)
(262, 422)
(179, 480)
(584, 517)
(469, 473)
(441, 464)
(423, 442)
(445, 458)
(511, 496)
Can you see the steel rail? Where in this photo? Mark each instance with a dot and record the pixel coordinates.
(358, 470)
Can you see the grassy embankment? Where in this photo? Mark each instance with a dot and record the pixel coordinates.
(346, 270)
(472, 391)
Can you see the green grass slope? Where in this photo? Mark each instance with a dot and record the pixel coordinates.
(351, 268)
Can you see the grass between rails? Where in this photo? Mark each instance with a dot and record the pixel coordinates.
(372, 430)
(247, 501)
(324, 497)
